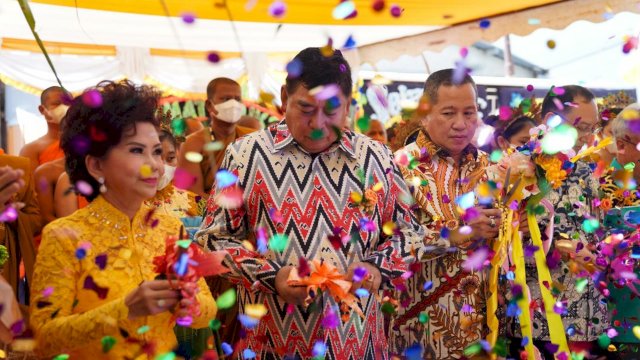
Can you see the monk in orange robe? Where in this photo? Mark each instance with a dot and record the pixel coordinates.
(47, 148)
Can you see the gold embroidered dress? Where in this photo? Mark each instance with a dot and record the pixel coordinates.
(456, 302)
(87, 263)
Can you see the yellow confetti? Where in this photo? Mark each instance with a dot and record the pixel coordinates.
(377, 186)
(356, 197)
(636, 331)
(193, 157)
(256, 311)
(247, 245)
(630, 114)
(214, 146)
(389, 227)
(145, 171)
(612, 348)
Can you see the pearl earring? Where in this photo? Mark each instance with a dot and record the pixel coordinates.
(103, 188)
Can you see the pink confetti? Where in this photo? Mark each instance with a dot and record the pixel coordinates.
(558, 104)
(330, 319)
(445, 199)
(230, 198)
(47, 291)
(464, 52)
(395, 10)
(466, 230)
(10, 214)
(322, 93)
(188, 18)
(505, 112)
(476, 260)
(183, 179)
(92, 98)
(84, 188)
(558, 90)
(530, 87)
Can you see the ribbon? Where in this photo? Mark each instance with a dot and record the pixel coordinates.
(328, 279)
(554, 321)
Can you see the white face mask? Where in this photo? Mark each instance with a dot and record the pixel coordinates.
(166, 178)
(56, 114)
(230, 111)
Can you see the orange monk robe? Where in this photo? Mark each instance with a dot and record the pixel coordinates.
(50, 153)
(17, 236)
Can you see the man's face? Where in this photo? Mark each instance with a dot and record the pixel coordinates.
(628, 152)
(314, 124)
(52, 100)
(223, 92)
(585, 118)
(453, 119)
(377, 131)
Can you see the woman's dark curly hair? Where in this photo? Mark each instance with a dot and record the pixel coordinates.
(97, 120)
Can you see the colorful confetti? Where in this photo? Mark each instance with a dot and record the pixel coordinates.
(227, 299)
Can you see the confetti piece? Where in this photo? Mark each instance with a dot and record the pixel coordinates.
(530, 250)
(146, 171)
(317, 134)
(359, 274)
(294, 69)
(464, 52)
(213, 57)
(636, 331)
(551, 44)
(472, 349)
(230, 198)
(423, 317)
(278, 242)
(389, 228)
(81, 253)
(476, 260)
(466, 230)
(227, 299)
(213, 146)
(166, 356)
(225, 179)
(61, 357)
(590, 225)
(256, 311)
(604, 341)
(485, 24)
(319, 349)
(227, 349)
(84, 188)
(350, 43)
(428, 285)
(193, 157)
(143, 329)
(466, 201)
(277, 9)
(10, 214)
(303, 267)
(47, 291)
(558, 308)
(248, 354)
(560, 138)
(554, 121)
(324, 92)
(361, 292)
(248, 322)
(530, 88)
(395, 10)
(495, 156)
(107, 343)
(215, 325)
(533, 21)
(505, 112)
(377, 5)
(92, 98)
(188, 18)
(344, 10)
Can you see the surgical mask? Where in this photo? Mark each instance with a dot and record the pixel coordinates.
(56, 114)
(230, 111)
(166, 178)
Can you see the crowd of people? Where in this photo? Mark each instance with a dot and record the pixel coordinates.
(326, 242)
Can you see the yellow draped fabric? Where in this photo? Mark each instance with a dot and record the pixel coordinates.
(416, 12)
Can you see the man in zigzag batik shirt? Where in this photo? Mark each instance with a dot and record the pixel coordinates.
(296, 178)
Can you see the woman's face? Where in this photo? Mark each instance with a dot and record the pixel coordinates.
(132, 168)
(518, 139)
(169, 154)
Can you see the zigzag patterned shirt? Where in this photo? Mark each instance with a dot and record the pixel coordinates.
(308, 198)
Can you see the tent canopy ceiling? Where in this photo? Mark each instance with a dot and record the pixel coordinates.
(415, 12)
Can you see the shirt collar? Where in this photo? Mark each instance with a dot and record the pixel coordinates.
(282, 138)
(424, 142)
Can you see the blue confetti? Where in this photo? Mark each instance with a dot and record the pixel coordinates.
(319, 349)
(524, 342)
(413, 352)
(248, 354)
(362, 292)
(81, 253)
(485, 23)
(225, 178)
(350, 43)
(466, 201)
(227, 349)
(247, 321)
(428, 285)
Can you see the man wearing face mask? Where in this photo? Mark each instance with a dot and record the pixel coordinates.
(225, 109)
(47, 148)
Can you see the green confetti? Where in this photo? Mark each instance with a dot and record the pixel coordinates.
(472, 349)
(423, 318)
(364, 123)
(581, 284)
(496, 155)
(166, 356)
(107, 343)
(227, 299)
(215, 324)
(388, 308)
(143, 329)
(179, 126)
(590, 225)
(317, 134)
(562, 137)
(629, 166)
(278, 242)
(604, 341)
(184, 243)
(61, 357)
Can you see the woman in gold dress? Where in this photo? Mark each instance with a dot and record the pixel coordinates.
(94, 293)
